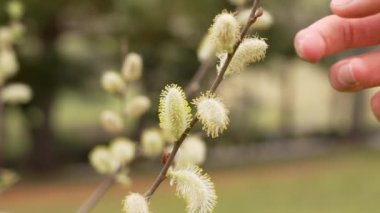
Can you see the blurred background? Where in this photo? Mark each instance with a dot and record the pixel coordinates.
(293, 144)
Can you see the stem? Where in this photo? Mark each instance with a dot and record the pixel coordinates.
(255, 13)
(2, 136)
(97, 194)
(193, 85)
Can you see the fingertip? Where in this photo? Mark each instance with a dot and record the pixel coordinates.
(309, 45)
(375, 105)
(347, 75)
(342, 8)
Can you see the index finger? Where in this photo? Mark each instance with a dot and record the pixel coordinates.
(355, 8)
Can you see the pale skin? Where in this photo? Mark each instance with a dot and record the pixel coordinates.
(354, 23)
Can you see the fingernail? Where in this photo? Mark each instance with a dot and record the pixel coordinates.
(345, 75)
(341, 2)
(299, 47)
(309, 46)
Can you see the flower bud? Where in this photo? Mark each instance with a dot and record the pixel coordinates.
(8, 63)
(152, 143)
(123, 150)
(102, 160)
(132, 67)
(111, 122)
(137, 106)
(251, 50)
(123, 179)
(135, 203)
(238, 3)
(174, 111)
(264, 22)
(225, 32)
(195, 188)
(113, 83)
(17, 30)
(16, 93)
(206, 49)
(212, 114)
(15, 9)
(7, 179)
(6, 38)
(193, 152)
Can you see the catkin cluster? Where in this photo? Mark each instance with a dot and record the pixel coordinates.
(12, 93)
(223, 41)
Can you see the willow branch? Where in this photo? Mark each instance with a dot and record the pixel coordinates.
(97, 194)
(2, 136)
(255, 13)
(194, 83)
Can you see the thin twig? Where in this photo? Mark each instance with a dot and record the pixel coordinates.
(255, 13)
(194, 83)
(2, 132)
(97, 194)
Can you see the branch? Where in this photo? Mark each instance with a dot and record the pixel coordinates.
(2, 132)
(255, 13)
(97, 194)
(194, 83)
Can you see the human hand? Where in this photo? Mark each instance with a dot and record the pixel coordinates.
(355, 23)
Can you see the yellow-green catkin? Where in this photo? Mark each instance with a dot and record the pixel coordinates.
(174, 110)
(264, 22)
(113, 83)
(206, 48)
(132, 67)
(15, 9)
(16, 93)
(251, 50)
(195, 188)
(238, 3)
(212, 113)
(123, 149)
(135, 203)
(152, 143)
(225, 32)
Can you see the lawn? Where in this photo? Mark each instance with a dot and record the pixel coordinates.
(344, 181)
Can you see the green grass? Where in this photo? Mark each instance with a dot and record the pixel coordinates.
(346, 182)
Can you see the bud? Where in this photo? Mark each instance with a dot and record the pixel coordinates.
(111, 122)
(123, 179)
(206, 49)
(238, 3)
(15, 9)
(152, 143)
(7, 179)
(123, 150)
(174, 110)
(113, 83)
(16, 93)
(8, 63)
(137, 106)
(264, 22)
(6, 38)
(225, 32)
(17, 30)
(132, 67)
(193, 152)
(102, 160)
(212, 114)
(251, 50)
(195, 188)
(135, 203)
